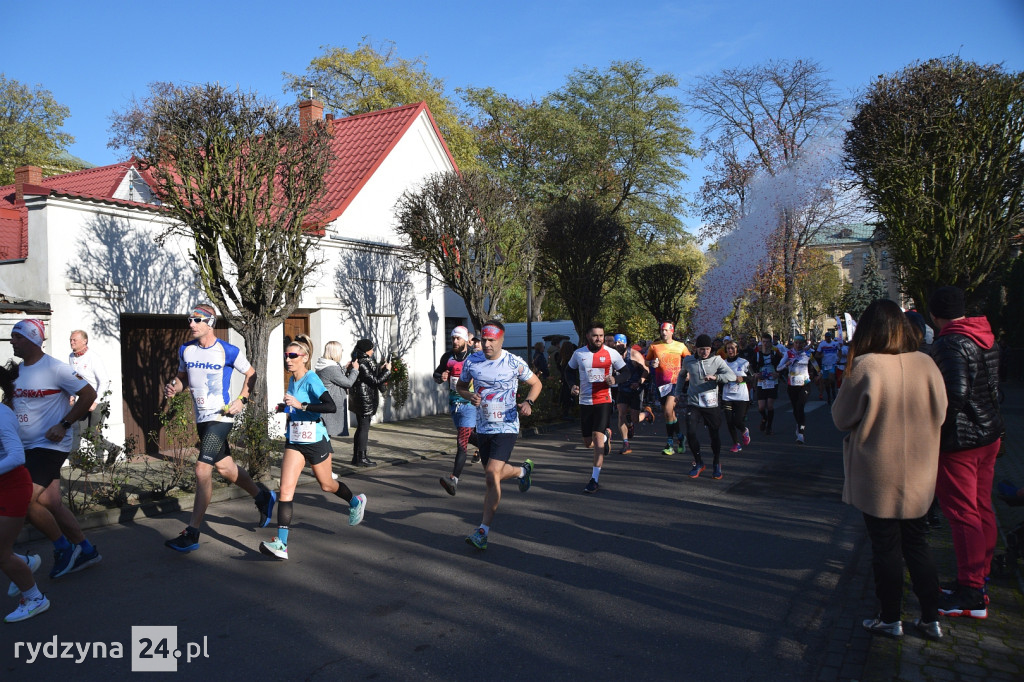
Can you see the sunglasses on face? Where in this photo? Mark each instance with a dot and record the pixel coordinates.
(197, 320)
(292, 356)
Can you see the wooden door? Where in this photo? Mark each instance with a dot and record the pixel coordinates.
(293, 326)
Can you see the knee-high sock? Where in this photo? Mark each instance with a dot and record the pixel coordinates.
(343, 492)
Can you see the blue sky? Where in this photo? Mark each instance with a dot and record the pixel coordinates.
(95, 55)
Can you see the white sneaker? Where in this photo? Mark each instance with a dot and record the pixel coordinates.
(355, 514)
(800, 438)
(34, 562)
(28, 608)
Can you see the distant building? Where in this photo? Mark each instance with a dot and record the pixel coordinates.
(848, 247)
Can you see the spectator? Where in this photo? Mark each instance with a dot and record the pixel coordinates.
(338, 380)
(540, 360)
(966, 354)
(893, 403)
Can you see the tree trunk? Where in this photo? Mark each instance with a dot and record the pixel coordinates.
(256, 334)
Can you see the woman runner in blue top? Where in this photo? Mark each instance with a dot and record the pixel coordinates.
(306, 441)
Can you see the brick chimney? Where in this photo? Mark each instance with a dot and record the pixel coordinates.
(26, 175)
(310, 111)
(329, 120)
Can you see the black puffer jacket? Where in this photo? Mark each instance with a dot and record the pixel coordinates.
(969, 361)
(364, 396)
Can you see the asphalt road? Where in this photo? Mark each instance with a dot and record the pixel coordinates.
(656, 577)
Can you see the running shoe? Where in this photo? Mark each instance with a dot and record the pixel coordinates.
(86, 560)
(930, 631)
(476, 457)
(187, 541)
(800, 438)
(28, 608)
(626, 449)
(525, 481)
(592, 487)
(630, 431)
(355, 513)
(877, 626)
(607, 442)
(669, 450)
(650, 414)
(735, 448)
(716, 472)
(64, 560)
(966, 602)
(478, 539)
(34, 562)
(266, 508)
(746, 437)
(697, 469)
(449, 484)
(274, 548)
(680, 448)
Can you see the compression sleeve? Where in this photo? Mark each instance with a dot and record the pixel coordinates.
(326, 404)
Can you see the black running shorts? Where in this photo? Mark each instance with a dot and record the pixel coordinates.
(595, 418)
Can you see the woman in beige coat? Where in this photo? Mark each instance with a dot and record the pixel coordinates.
(893, 402)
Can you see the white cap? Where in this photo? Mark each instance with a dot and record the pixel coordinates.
(460, 332)
(31, 330)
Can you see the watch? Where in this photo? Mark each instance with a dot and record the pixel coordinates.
(65, 423)
(304, 406)
(244, 399)
(529, 402)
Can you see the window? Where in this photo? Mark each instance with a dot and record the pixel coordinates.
(885, 260)
(848, 260)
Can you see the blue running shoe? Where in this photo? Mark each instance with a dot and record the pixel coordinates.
(86, 560)
(187, 541)
(64, 560)
(34, 562)
(267, 508)
(355, 513)
(478, 539)
(697, 469)
(716, 472)
(591, 487)
(526, 481)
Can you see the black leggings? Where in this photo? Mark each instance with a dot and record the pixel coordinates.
(711, 417)
(798, 397)
(362, 433)
(735, 417)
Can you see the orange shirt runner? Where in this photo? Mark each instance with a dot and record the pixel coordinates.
(670, 358)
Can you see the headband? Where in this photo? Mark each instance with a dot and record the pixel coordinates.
(669, 326)
(203, 313)
(460, 332)
(492, 332)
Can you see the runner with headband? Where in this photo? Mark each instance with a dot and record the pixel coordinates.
(448, 371)
(665, 358)
(489, 380)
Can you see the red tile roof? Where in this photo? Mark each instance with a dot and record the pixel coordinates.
(360, 144)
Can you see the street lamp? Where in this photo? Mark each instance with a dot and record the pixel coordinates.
(433, 317)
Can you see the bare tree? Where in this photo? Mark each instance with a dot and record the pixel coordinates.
(472, 232)
(762, 121)
(243, 181)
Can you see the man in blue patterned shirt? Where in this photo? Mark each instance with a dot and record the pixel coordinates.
(495, 374)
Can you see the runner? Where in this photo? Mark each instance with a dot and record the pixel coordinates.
(205, 364)
(595, 369)
(495, 375)
(828, 357)
(15, 495)
(736, 397)
(798, 362)
(448, 371)
(306, 441)
(629, 402)
(844, 352)
(665, 357)
(705, 372)
(768, 357)
(42, 391)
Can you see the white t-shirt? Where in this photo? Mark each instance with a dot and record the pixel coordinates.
(41, 399)
(209, 376)
(829, 354)
(12, 452)
(89, 366)
(594, 368)
(496, 382)
(734, 391)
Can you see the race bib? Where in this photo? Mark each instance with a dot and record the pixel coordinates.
(798, 379)
(23, 419)
(452, 380)
(766, 383)
(302, 432)
(735, 392)
(493, 410)
(595, 376)
(665, 389)
(708, 399)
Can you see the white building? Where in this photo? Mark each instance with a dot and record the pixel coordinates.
(84, 244)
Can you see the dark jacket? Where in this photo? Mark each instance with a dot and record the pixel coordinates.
(364, 396)
(337, 381)
(966, 355)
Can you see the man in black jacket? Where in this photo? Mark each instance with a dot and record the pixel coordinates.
(969, 361)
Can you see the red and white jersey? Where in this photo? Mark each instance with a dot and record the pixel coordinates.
(41, 394)
(594, 368)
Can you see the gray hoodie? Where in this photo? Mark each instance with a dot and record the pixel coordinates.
(703, 380)
(336, 380)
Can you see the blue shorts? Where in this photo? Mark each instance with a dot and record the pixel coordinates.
(827, 373)
(463, 415)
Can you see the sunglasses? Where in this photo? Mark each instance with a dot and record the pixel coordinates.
(197, 320)
(292, 356)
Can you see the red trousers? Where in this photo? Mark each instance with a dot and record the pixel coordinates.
(964, 489)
